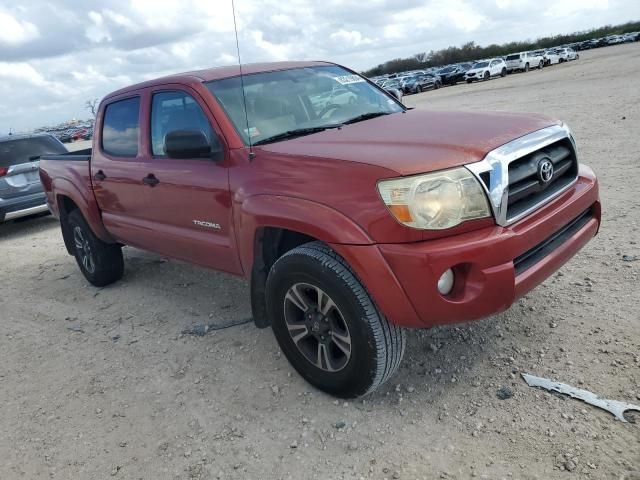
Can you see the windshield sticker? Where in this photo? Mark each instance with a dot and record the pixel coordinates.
(252, 132)
(347, 79)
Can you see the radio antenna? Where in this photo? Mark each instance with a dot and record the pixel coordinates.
(244, 97)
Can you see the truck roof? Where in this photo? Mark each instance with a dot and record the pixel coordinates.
(218, 73)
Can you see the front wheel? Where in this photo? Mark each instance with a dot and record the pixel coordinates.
(540, 65)
(327, 325)
(101, 263)
(486, 76)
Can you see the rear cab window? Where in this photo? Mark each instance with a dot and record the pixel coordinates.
(121, 128)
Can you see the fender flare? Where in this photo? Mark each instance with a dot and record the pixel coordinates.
(85, 202)
(292, 213)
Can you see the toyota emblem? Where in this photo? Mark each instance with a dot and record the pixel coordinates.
(545, 170)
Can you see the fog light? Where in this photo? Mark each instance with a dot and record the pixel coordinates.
(445, 283)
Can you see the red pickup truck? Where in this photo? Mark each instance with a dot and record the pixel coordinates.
(352, 216)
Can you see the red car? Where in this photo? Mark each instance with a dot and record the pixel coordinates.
(353, 219)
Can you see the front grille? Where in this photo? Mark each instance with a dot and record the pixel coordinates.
(529, 258)
(526, 187)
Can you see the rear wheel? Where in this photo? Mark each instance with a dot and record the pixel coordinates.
(540, 65)
(503, 73)
(327, 325)
(468, 81)
(101, 263)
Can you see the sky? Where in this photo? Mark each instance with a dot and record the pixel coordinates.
(55, 55)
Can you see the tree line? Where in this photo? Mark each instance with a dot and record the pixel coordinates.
(470, 51)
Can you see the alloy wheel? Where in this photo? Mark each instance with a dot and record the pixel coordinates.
(84, 250)
(317, 327)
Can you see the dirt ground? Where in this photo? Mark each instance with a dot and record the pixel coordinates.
(100, 383)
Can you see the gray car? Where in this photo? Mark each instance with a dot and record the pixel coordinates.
(20, 189)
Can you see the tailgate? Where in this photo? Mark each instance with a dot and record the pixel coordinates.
(21, 179)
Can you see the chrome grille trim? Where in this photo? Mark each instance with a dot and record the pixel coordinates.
(496, 164)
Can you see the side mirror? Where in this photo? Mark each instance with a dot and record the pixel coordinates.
(187, 144)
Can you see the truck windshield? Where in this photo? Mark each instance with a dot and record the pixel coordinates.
(21, 150)
(300, 100)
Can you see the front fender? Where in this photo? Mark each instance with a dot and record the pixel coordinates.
(310, 218)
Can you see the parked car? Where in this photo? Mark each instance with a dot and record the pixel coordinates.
(566, 54)
(337, 96)
(20, 189)
(393, 87)
(422, 83)
(486, 69)
(396, 92)
(453, 74)
(615, 39)
(551, 57)
(350, 222)
(523, 61)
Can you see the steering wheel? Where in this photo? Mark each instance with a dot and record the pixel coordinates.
(329, 107)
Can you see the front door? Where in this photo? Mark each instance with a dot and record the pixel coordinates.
(189, 198)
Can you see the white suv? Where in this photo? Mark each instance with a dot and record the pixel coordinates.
(523, 61)
(485, 69)
(567, 54)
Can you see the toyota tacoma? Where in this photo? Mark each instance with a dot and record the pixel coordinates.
(353, 219)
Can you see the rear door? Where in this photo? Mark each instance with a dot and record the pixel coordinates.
(19, 161)
(179, 207)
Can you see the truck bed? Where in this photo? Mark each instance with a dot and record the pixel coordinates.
(77, 156)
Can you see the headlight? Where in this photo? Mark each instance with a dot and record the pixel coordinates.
(435, 201)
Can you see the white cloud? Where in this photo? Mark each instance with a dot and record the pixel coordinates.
(351, 38)
(56, 55)
(14, 31)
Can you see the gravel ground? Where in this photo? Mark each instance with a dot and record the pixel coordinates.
(100, 383)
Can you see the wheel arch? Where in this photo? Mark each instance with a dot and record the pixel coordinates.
(268, 226)
(68, 198)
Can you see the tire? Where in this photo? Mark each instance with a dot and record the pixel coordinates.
(503, 73)
(526, 67)
(101, 263)
(486, 76)
(540, 65)
(299, 287)
(468, 81)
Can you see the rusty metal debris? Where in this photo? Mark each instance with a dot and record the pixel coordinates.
(615, 407)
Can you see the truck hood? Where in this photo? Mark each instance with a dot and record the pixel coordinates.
(415, 141)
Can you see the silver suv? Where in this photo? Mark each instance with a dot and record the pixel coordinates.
(20, 189)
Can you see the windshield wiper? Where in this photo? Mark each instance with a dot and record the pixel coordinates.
(365, 116)
(296, 133)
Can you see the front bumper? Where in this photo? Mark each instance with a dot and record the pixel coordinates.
(402, 278)
(23, 206)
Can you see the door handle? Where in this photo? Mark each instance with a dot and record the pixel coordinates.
(150, 180)
(99, 175)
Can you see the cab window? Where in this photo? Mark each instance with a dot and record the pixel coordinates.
(173, 111)
(121, 128)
